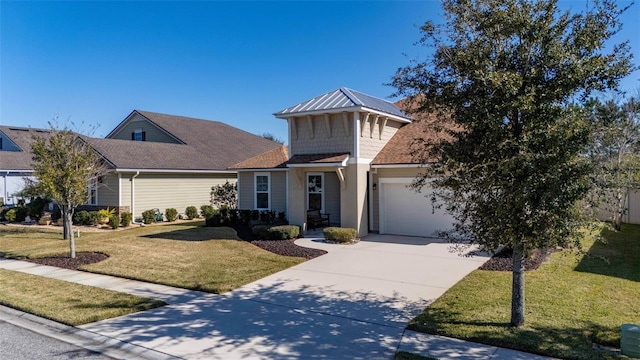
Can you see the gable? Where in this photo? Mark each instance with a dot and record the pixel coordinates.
(152, 132)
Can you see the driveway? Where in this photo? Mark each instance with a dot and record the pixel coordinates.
(352, 303)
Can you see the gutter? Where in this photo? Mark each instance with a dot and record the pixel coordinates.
(133, 198)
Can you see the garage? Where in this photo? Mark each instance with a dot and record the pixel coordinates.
(405, 212)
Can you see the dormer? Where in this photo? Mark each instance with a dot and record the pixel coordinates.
(344, 121)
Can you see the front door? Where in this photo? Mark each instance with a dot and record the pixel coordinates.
(315, 191)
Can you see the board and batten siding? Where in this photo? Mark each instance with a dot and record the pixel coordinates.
(152, 132)
(108, 190)
(177, 191)
(278, 190)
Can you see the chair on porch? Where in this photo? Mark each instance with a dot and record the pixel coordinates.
(315, 218)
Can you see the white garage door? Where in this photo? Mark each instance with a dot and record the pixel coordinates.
(405, 212)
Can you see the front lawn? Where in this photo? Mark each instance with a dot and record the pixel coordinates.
(185, 255)
(65, 302)
(572, 302)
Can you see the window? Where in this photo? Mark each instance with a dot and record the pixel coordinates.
(93, 192)
(262, 191)
(315, 193)
(138, 135)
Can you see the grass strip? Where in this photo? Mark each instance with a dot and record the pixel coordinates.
(573, 303)
(65, 302)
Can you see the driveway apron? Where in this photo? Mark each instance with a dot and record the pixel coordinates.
(352, 303)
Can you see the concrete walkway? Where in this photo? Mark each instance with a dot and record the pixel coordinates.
(352, 303)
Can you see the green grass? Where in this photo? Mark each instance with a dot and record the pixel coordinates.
(185, 255)
(572, 302)
(403, 355)
(65, 302)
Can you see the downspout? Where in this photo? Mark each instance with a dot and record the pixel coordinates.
(133, 198)
(4, 187)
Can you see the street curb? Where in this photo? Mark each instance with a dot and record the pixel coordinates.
(75, 336)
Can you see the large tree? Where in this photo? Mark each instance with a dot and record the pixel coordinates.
(65, 167)
(615, 152)
(505, 73)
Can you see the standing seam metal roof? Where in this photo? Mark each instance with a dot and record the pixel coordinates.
(344, 98)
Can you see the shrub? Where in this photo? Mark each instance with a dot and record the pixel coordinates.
(261, 231)
(341, 235)
(80, 217)
(36, 206)
(126, 218)
(206, 210)
(225, 195)
(255, 215)
(149, 216)
(283, 232)
(191, 212)
(10, 215)
(281, 216)
(245, 216)
(234, 216)
(114, 221)
(106, 213)
(214, 220)
(171, 214)
(21, 213)
(93, 218)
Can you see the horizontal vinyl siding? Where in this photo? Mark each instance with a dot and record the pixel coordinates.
(175, 190)
(279, 191)
(108, 190)
(125, 183)
(152, 132)
(245, 190)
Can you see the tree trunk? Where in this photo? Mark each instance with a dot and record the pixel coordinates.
(65, 234)
(517, 289)
(69, 230)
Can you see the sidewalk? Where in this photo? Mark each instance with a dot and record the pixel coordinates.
(201, 325)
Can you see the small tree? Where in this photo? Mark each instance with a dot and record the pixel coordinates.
(506, 73)
(65, 166)
(273, 138)
(614, 151)
(224, 195)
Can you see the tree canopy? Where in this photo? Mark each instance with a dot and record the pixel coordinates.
(65, 167)
(506, 73)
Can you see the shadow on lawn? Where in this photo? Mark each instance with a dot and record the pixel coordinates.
(200, 233)
(617, 256)
(578, 342)
(276, 321)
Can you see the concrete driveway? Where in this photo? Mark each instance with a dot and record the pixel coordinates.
(352, 303)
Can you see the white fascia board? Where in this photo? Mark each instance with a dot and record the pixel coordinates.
(15, 171)
(318, 112)
(262, 170)
(177, 171)
(316, 165)
(390, 116)
(391, 166)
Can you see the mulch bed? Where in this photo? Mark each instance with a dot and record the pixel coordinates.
(64, 261)
(280, 247)
(502, 260)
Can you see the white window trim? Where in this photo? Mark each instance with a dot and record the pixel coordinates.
(93, 185)
(324, 188)
(255, 190)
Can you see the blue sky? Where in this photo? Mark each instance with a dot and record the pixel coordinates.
(235, 62)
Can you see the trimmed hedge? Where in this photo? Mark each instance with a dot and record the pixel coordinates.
(340, 235)
(127, 217)
(283, 232)
(191, 212)
(10, 215)
(114, 221)
(149, 216)
(171, 214)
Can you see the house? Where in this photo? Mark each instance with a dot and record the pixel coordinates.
(348, 156)
(167, 161)
(154, 161)
(15, 160)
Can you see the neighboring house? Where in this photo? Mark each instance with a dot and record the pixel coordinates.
(162, 161)
(349, 157)
(15, 160)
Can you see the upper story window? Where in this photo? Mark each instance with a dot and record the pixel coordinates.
(262, 183)
(138, 135)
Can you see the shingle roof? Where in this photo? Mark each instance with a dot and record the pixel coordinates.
(275, 158)
(22, 137)
(325, 158)
(343, 98)
(147, 155)
(220, 145)
(427, 127)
